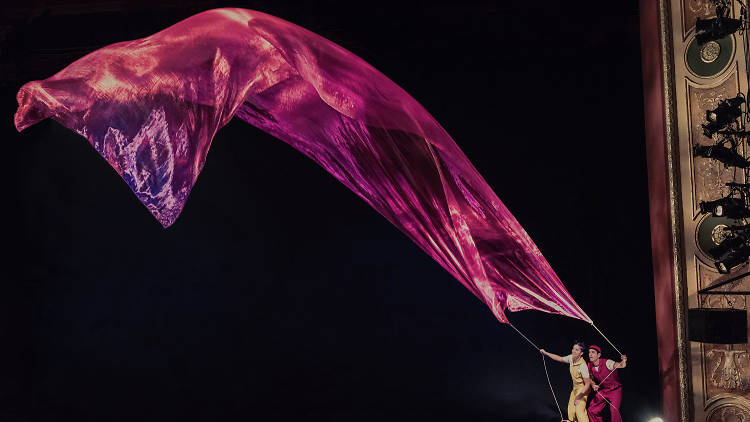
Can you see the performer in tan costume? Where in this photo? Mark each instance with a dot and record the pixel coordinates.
(579, 372)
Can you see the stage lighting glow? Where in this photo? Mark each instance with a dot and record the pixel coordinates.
(656, 419)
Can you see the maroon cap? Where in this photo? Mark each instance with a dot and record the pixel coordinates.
(595, 347)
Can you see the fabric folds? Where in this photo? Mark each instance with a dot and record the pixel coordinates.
(152, 106)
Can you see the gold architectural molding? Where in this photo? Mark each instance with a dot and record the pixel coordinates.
(675, 206)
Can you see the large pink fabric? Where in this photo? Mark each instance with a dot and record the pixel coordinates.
(152, 106)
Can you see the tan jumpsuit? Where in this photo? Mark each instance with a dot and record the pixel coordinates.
(577, 413)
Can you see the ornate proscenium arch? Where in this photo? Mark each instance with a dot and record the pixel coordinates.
(152, 106)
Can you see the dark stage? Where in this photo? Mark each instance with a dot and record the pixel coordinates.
(280, 295)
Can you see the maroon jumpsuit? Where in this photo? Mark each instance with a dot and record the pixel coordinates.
(611, 389)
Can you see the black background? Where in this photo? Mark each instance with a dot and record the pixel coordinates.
(280, 295)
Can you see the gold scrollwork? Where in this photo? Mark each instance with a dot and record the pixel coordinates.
(729, 412)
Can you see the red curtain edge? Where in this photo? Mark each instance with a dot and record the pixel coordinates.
(659, 207)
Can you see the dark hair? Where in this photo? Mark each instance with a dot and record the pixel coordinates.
(580, 344)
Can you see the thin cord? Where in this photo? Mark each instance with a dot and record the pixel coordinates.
(609, 403)
(527, 339)
(605, 338)
(605, 363)
(544, 362)
(605, 378)
(602, 382)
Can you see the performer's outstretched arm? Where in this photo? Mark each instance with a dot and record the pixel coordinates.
(552, 355)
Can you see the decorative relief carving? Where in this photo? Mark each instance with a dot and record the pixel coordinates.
(709, 176)
(693, 9)
(710, 52)
(727, 369)
(729, 413)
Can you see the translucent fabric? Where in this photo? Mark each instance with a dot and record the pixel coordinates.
(152, 106)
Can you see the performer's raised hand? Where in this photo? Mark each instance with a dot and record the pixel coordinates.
(623, 361)
(595, 387)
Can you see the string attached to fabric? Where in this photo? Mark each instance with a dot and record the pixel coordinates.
(613, 346)
(602, 395)
(544, 362)
(605, 378)
(605, 338)
(525, 338)
(608, 402)
(611, 372)
(605, 363)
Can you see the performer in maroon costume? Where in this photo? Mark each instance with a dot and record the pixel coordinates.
(607, 385)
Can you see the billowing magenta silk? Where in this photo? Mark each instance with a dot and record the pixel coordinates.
(151, 108)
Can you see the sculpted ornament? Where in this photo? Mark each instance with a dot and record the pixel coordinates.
(710, 52)
(730, 414)
(727, 370)
(700, 7)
